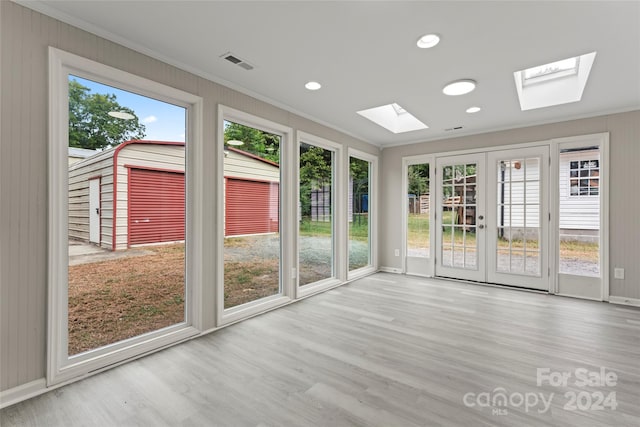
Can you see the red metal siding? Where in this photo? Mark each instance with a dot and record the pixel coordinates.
(251, 207)
(156, 206)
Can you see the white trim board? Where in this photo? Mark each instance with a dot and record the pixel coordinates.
(635, 302)
(23, 392)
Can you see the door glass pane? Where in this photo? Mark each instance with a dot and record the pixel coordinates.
(459, 192)
(447, 254)
(470, 256)
(532, 266)
(418, 210)
(579, 206)
(517, 261)
(126, 223)
(458, 256)
(315, 243)
(518, 219)
(359, 230)
(252, 214)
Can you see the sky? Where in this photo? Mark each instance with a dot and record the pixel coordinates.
(163, 121)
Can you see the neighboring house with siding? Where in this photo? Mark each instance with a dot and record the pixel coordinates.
(134, 194)
(580, 194)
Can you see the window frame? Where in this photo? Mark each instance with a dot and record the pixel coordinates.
(568, 284)
(338, 208)
(426, 265)
(372, 267)
(589, 178)
(61, 367)
(229, 315)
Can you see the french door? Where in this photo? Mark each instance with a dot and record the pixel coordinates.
(492, 217)
(518, 212)
(460, 217)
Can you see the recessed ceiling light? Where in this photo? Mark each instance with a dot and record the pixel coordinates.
(428, 40)
(121, 115)
(472, 110)
(235, 142)
(459, 87)
(313, 85)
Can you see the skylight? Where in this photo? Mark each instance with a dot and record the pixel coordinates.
(393, 118)
(555, 83)
(553, 70)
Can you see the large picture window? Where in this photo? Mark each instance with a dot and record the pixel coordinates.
(317, 207)
(126, 204)
(361, 212)
(254, 210)
(418, 210)
(252, 244)
(579, 207)
(122, 185)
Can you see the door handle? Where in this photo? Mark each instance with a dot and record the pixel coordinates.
(480, 226)
(98, 211)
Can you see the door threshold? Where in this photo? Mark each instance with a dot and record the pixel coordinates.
(494, 285)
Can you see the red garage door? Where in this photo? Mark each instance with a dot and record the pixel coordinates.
(251, 207)
(156, 206)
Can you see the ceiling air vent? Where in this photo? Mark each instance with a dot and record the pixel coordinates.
(237, 61)
(454, 128)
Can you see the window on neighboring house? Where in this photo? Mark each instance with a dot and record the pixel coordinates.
(584, 177)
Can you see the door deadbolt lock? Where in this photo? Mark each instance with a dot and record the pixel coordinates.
(480, 217)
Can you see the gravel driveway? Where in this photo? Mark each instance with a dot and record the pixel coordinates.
(314, 251)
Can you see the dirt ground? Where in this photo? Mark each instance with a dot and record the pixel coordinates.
(120, 297)
(117, 299)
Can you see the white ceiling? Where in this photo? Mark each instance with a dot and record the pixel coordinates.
(365, 54)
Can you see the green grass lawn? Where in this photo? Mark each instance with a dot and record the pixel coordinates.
(358, 228)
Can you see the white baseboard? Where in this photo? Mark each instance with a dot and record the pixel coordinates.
(624, 301)
(390, 270)
(22, 392)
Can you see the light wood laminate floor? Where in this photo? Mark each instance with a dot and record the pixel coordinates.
(386, 350)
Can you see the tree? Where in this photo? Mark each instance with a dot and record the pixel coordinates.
(262, 144)
(418, 176)
(359, 171)
(91, 126)
(315, 173)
